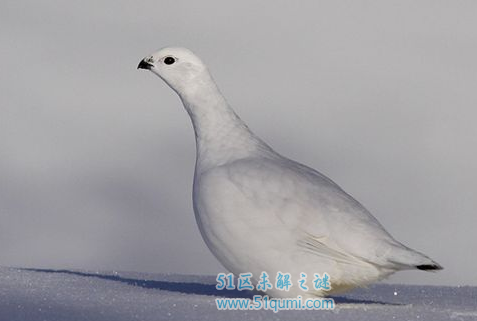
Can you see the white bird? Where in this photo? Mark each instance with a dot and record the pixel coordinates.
(259, 212)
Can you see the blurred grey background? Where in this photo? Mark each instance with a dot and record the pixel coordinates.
(97, 158)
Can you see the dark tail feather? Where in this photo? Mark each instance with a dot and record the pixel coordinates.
(429, 267)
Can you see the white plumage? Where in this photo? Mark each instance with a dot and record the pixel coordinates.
(259, 211)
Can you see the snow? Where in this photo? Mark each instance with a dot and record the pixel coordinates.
(36, 294)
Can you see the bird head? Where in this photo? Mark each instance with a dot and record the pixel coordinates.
(178, 67)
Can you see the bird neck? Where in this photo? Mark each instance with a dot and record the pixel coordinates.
(221, 136)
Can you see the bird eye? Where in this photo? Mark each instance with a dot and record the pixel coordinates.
(169, 60)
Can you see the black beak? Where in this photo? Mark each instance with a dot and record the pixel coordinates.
(144, 65)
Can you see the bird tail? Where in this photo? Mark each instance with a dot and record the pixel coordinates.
(429, 267)
(404, 258)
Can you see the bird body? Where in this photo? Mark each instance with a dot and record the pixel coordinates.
(259, 212)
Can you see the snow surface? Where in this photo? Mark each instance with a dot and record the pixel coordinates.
(36, 294)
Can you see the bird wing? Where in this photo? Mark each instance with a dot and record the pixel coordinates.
(326, 220)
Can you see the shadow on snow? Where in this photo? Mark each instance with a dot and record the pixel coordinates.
(186, 287)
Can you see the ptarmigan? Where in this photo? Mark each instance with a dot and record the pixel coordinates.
(261, 212)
